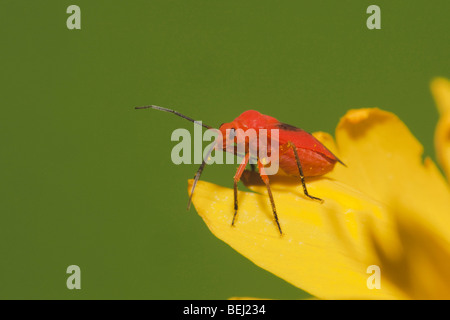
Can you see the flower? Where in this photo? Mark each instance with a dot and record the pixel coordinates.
(388, 208)
(441, 91)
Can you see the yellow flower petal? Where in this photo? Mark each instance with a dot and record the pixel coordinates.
(422, 267)
(441, 91)
(386, 208)
(440, 88)
(385, 161)
(323, 249)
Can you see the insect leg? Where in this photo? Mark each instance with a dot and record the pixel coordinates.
(196, 178)
(265, 178)
(300, 170)
(198, 174)
(237, 177)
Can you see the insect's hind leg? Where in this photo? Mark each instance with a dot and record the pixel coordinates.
(300, 170)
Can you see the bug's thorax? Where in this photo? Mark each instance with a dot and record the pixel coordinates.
(250, 128)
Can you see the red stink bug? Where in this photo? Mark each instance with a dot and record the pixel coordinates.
(299, 153)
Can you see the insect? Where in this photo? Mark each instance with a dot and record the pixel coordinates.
(299, 153)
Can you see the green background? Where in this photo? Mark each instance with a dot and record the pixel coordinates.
(87, 180)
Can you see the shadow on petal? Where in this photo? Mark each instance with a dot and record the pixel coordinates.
(422, 266)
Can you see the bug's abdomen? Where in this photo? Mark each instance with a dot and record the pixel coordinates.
(313, 163)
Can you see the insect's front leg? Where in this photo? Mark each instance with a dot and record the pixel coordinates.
(237, 177)
(199, 173)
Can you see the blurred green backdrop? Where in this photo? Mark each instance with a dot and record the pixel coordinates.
(85, 179)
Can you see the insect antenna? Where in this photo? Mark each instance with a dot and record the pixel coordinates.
(202, 166)
(176, 113)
